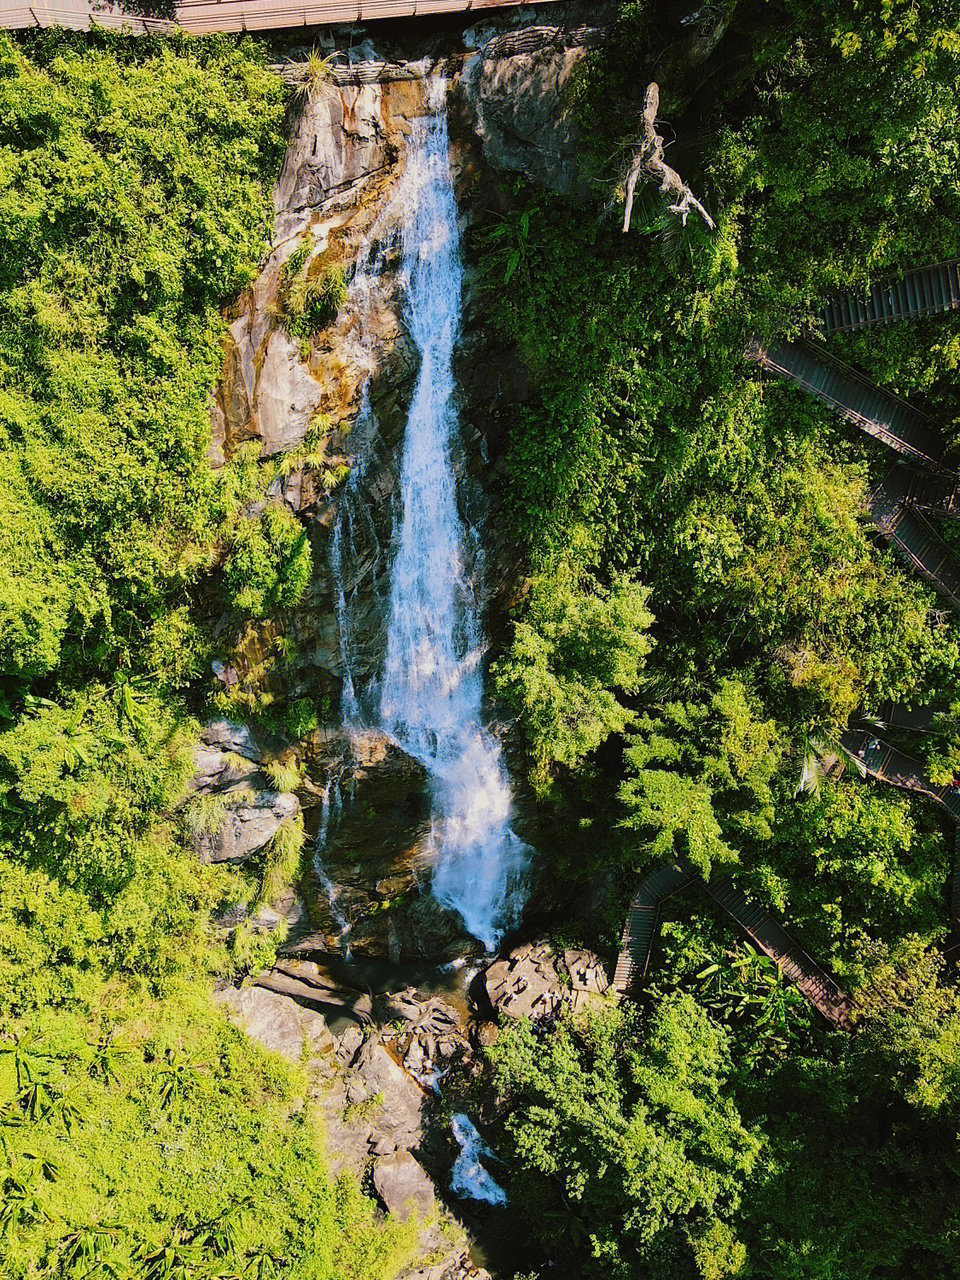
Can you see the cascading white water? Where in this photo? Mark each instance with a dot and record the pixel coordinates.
(330, 807)
(431, 685)
(432, 688)
(469, 1178)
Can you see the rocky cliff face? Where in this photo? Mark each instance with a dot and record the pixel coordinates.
(293, 387)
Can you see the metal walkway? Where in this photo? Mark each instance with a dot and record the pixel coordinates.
(925, 291)
(640, 928)
(874, 410)
(759, 924)
(885, 763)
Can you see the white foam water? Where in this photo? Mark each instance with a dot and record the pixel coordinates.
(469, 1178)
(432, 688)
(330, 808)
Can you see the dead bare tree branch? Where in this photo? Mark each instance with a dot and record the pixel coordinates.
(649, 161)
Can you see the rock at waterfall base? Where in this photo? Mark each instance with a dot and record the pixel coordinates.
(276, 1023)
(403, 1186)
(534, 983)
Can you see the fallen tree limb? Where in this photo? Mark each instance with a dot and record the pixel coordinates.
(649, 161)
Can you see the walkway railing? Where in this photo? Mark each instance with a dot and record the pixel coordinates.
(640, 928)
(918, 544)
(762, 927)
(874, 410)
(206, 16)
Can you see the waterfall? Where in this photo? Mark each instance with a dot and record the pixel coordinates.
(469, 1178)
(431, 686)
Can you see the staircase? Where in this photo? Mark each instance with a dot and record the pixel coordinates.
(774, 941)
(924, 291)
(875, 411)
(923, 490)
(639, 934)
(918, 544)
(640, 928)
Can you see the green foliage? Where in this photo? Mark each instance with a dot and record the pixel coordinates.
(281, 859)
(285, 774)
(748, 991)
(631, 1158)
(853, 863)
(313, 290)
(175, 1161)
(139, 1134)
(701, 777)
(575, 653)
(270, 564)
(85, 781)
(134, 197)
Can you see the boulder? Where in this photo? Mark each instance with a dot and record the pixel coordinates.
(526, 984)
(429, 1033)
(399, 1117)
(532, 983)
(289, 911)
(245, 829)
(224, 735)
(216, 770)
(404, 1188)
(277, 1022)
(306, 983)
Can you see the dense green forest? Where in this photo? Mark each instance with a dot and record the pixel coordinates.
(705, 608)
(707, 594)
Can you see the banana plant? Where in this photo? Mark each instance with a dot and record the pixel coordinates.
(510, 238)
(178, 1258)
(28, 1056)
(84, 1252)
(747, 988)
(219, 1235)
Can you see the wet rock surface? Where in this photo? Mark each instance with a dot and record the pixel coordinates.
(376, 853)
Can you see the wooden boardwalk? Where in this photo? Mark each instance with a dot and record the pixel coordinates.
(874, 410)
(208, 16)
(924, 291)
(894, 715)
(640, 928)
(767, 933)
(899, 507)
(759, 924)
